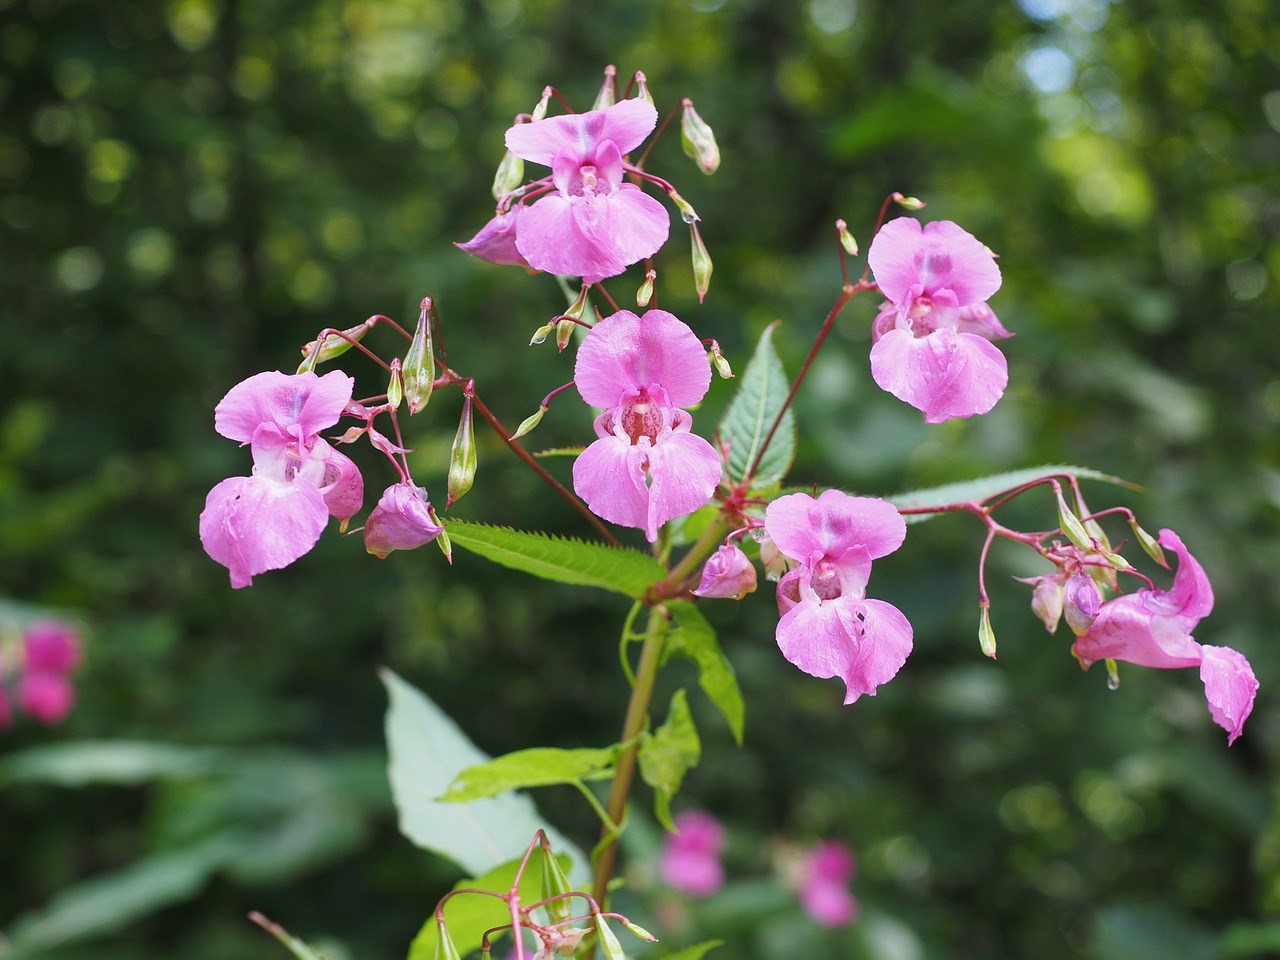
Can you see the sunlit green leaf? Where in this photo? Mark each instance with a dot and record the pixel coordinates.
(667, 753)
(535, 767)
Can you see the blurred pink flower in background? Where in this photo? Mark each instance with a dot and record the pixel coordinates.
(824, 884)
(690, 858)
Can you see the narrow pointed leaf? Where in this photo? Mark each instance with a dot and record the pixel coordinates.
(984, 488)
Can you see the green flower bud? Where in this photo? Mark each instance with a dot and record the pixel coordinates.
(698, 140)
(986, 636)
(509, 176)
(608, 94)
(395, 389)
(462, 458)
(418, 369)
(702, 266)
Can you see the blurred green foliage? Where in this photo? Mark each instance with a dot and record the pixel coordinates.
(190, 189)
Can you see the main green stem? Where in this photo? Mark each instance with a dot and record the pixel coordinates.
(624, 773)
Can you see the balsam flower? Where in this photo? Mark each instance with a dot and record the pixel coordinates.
(401, 521)
(933, 338)
(1152, 628)
(824, 884)
(646, 468)
(496, 240)
(690, 858)
(268, 520)
(593, 226)
(828, 627)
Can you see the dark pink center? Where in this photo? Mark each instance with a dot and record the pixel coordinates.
(641, 417)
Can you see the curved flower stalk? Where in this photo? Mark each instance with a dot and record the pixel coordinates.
(1152, 628)
(828, 627)
(646, 467)
(932, 339)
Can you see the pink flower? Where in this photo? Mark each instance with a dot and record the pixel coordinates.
(268, 520)
(46, 695)
(401, 521)
(824, 884)
(593, 226)
(1152, 628)
(690, 858)
(52, 646)
(496, 240)
(728, 573)
(828, 628)
(1081, 601)
(932, 340)
(646, 468)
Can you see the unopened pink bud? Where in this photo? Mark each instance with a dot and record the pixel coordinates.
(728, 573)
(52, 646)
(1046, 603)
(1081, 602)
(496, 240)
(46, 695)
(401, 521)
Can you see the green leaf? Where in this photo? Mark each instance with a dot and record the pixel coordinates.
(695, 639)
(746, 423)
(535, 767)
(667, 753)
(468, 917)
(121, 762)
(427, 752)
(696, 952)
(987, 487)
(558, 558)
(111, 901)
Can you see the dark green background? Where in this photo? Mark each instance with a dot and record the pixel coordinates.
(189, 190)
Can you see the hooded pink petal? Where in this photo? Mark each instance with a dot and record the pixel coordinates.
(627, 123)
(833, 523)
(1229, 688)
(254, 524)
(609, 476)
(297, 406)
(944, 374)
(625, 352)
(401, 521)
(1128, 629)
(341, 485)
(727, 573)
(981, 321)
(1191, 596)
(941, 256)
(496, 240)
(684, 472)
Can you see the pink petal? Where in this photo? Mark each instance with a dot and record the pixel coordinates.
(829, 862)
(496, 240)
(341, 485)
(624, 352)
(883, 645)
(626, 123)
(46, 695)
(941, 256)
(830, 905)
(550, 239)
(684, 472)
(637, 224)
(51, 645)
(833, 524)
(1229, 687)
(609, 476)
(943, 374)
(694, 873)
(1191, 596)
(254, 524)
(813, 637)
(401, 521)
(696, 832)
(979, 320)
(1128, 629)
(303, 401)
